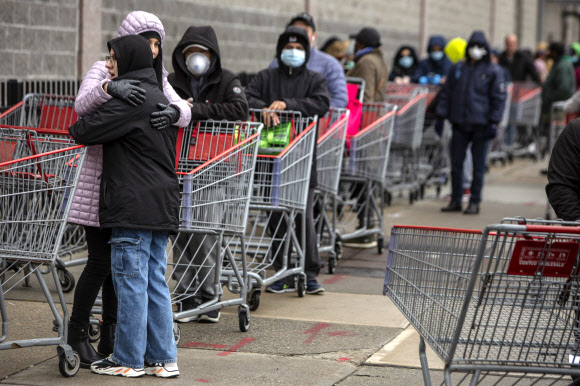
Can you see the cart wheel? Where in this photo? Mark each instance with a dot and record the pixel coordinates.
(338, 250)
(422, 192)
(380, 244)
(438, 191)
(254, 300)
(94, 332)
(411, 197)
(67, 282)
(244, 318)
(176, 333)
(331, 264)
(301, 285)
(388, 198)
(69, 369)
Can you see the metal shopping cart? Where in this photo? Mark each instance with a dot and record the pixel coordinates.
(525, 110)
(502, 300)
(216, 162)
(275, 234)
(329, 152)
(35, 199)
(403, 167)
(360, 201)
(498, 151)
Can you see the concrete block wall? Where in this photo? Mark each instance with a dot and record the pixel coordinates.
(38, 39)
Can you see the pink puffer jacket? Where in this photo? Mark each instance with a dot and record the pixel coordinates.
(85, 205)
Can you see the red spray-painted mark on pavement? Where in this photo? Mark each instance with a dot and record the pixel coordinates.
(242, 343)
(341, 333)
(202, 380)
(210, 345)
(343, 359)
(315, 331)
(334, 279)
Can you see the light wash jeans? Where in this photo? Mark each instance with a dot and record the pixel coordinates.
(144, 318)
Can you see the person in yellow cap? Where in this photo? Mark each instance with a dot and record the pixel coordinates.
(455, 49)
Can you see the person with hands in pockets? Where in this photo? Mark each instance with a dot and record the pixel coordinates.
(473, 100)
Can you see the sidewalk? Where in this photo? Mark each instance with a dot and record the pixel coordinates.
(351, 335)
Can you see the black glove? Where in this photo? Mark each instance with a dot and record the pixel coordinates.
(490, 131)
(126, 90)
(165, 118)
(439, 126)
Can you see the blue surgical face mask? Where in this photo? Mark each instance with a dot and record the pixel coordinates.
(293, 57)
(406, 61)
(437, 55)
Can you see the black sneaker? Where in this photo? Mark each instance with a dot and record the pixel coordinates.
(108, 367)
(162, 370)
(209, 317)
(280, 287)
(369, 241)
(452, 207)
(313, 288)
(186, 306)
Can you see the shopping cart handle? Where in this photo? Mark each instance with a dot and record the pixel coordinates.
(553, 229)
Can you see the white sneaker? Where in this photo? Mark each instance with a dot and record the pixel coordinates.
(108, 367)
(162, 370)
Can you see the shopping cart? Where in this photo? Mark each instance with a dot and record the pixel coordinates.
(329, 152)
(498, 151)
(525, 109)
(35, 199)
(501, 300)
(403, 167)
(360, 201)
(274, 246)
(215, 166)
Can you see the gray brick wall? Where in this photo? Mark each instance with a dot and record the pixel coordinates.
(41, 39)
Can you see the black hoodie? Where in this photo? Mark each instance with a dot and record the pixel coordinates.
(221, 95)
(139, 188)
(301, 89)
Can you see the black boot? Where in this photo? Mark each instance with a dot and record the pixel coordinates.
(472, 209)
(107, 341)
(452, 207)
(78, 339)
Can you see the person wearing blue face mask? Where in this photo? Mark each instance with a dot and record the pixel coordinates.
(434, 68)
(404, 65)
(293, 87)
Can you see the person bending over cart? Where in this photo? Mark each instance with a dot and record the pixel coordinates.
(293, 87)
(215, 93)
(139, 202)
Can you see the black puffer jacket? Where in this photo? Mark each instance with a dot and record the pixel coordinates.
(139, 188)
(221, 95)
(563, 187)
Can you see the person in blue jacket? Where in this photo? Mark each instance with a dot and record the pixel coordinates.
(434, 68)
(327, 66)
(473, 100)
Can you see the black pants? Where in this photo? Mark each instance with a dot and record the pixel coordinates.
(97, 274)
(312, 257)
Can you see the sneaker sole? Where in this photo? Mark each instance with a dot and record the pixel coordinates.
(207, 319)
(187, 319)
(160, 372)
(280, 291)
(361, 246)
(316, 291)
(126, 372)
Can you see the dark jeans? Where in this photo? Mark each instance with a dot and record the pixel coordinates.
(312, 257)
(97, 273)
(479, 146)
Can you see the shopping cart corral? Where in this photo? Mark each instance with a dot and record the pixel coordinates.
(35, 199)
(403, 167)
(360, 205)
(504, 299)
(216, 161)
(329, 152)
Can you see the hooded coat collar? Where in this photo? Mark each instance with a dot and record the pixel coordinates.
(477, 37)
(132, 53)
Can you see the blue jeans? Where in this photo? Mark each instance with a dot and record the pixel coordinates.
(144, 317)
(479, 146)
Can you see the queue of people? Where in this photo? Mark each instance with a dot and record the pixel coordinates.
(131, 108)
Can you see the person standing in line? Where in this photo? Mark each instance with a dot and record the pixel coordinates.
(321, 62)
(370, 64)
(404, 65)
(213, 93)
(291, 86)
(435, 68)
(519, 65)
(139, 203)
(473, 100)
(95, 90)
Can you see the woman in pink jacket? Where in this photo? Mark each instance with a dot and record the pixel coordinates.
(95, 90)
